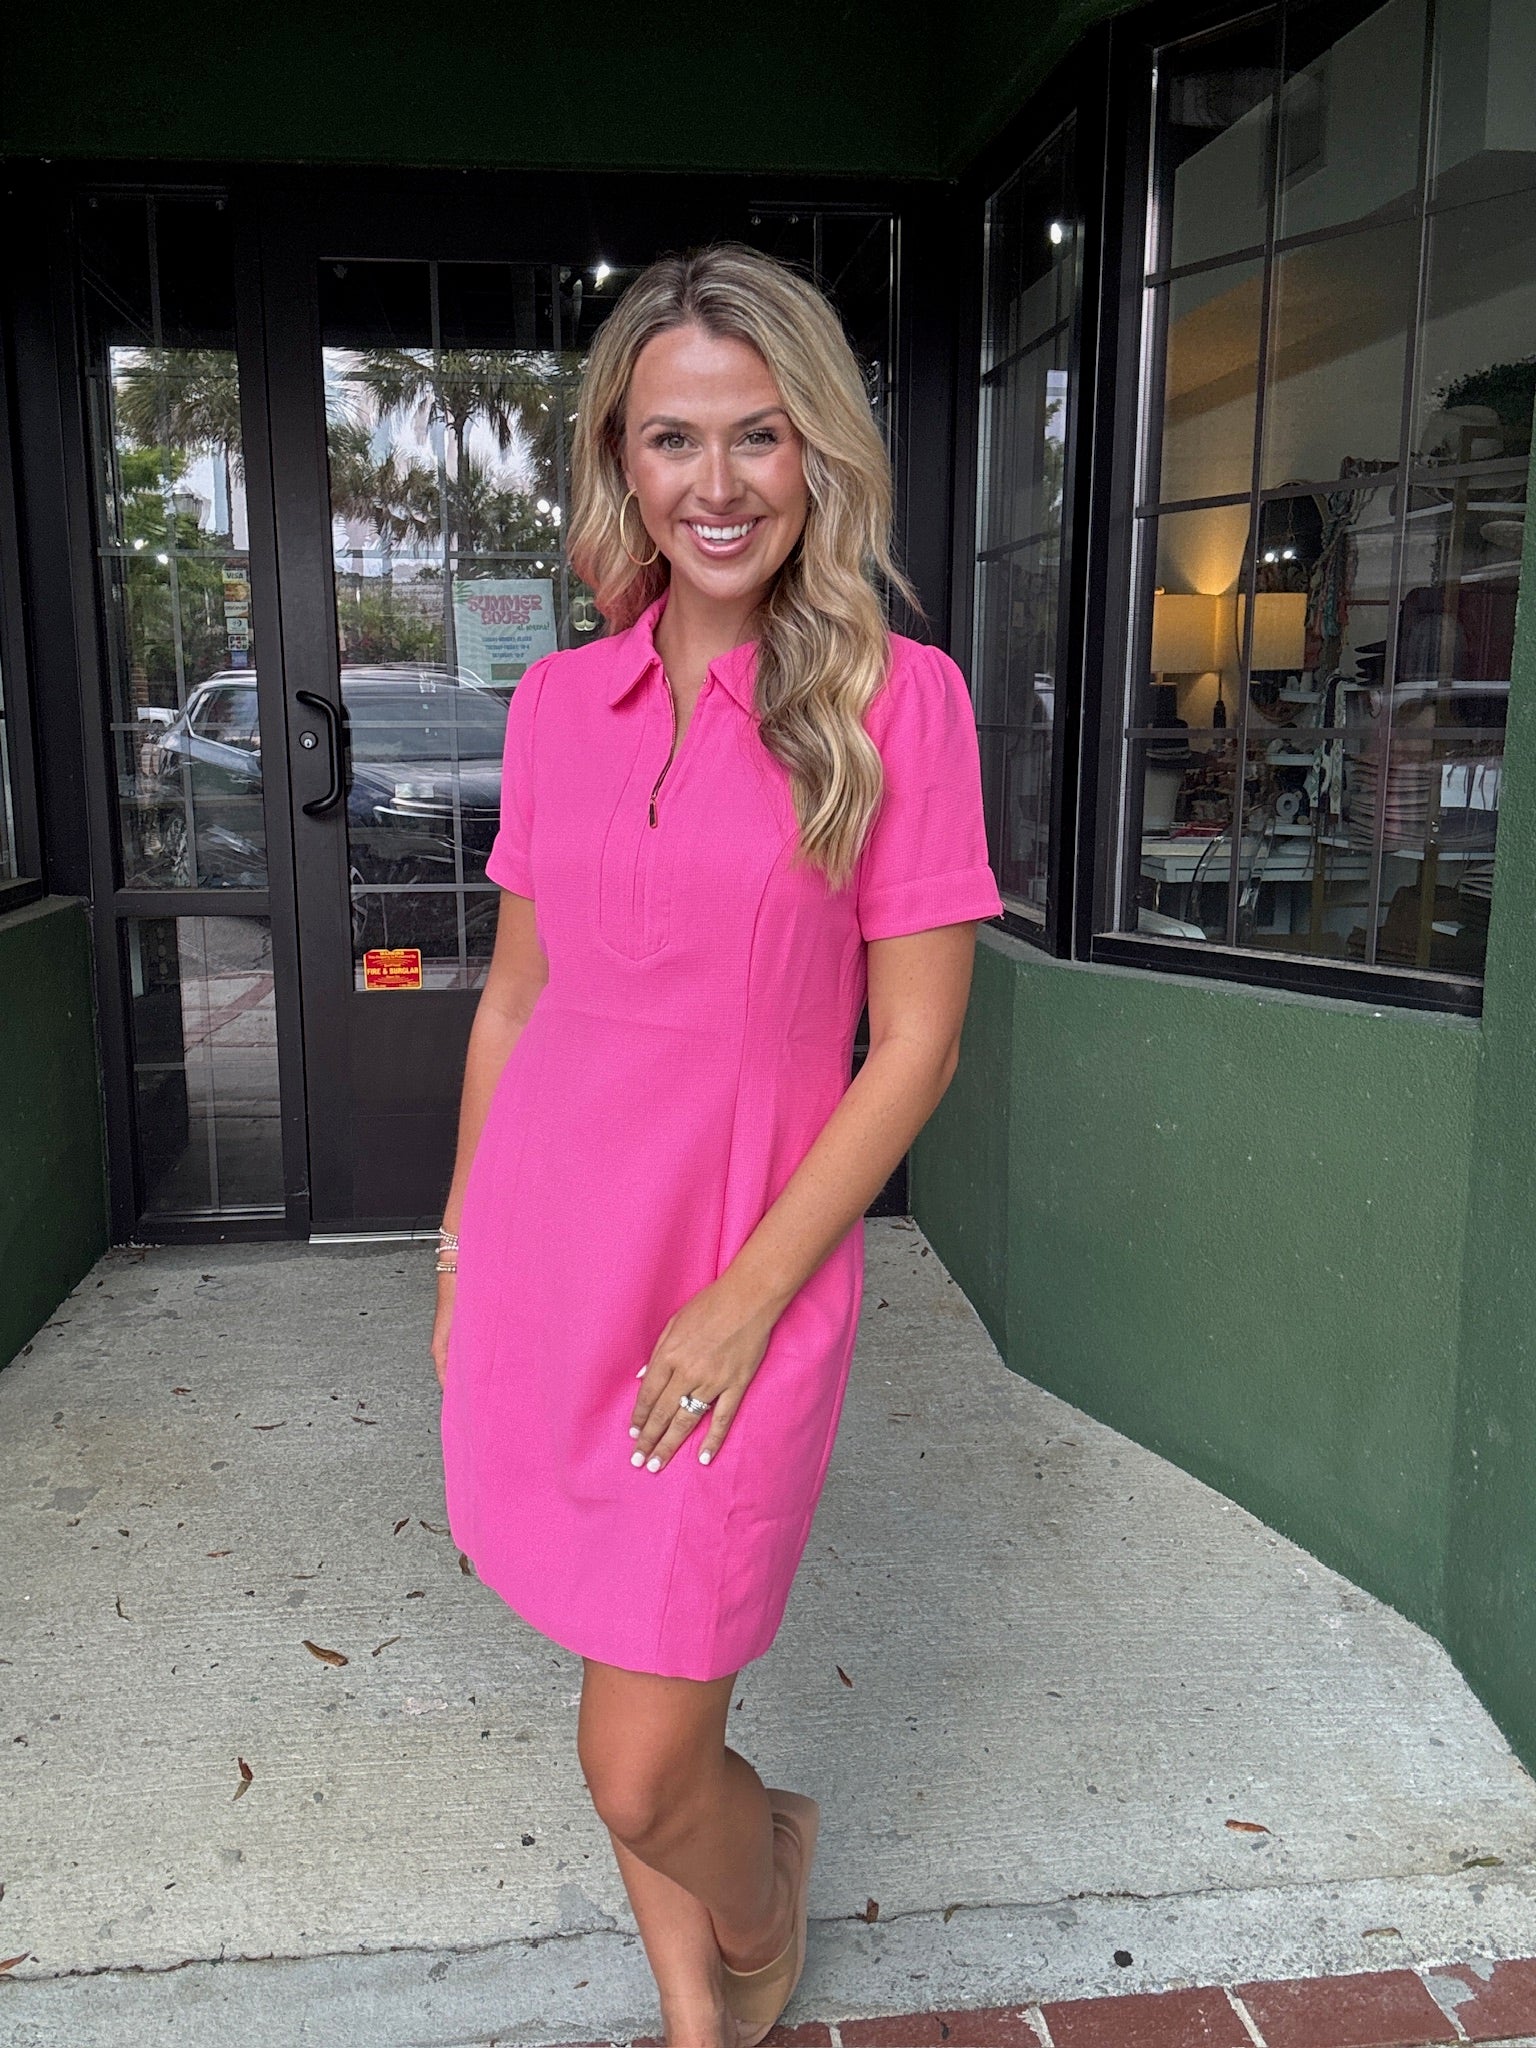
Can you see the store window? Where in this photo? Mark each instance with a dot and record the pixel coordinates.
(1338, 305)
(1031, 292)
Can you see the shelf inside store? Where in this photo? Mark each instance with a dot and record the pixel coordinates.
(1443, 853)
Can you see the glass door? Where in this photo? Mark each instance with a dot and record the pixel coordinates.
(446, 391)
(422, 404)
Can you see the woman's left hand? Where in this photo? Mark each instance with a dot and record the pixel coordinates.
(710, 1348)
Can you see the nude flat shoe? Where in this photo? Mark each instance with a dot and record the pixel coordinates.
(757, 1997)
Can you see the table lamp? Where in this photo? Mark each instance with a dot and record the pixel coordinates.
(1185, 624)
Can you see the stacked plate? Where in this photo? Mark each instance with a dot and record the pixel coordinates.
(1412, 788)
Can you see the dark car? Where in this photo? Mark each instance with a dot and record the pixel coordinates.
(422, 773)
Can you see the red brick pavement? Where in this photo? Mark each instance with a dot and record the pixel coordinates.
(1483, 2002)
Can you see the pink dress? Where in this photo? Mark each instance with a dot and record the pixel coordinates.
(694, 1035)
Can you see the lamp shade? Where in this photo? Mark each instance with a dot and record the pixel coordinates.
(1184, 626)
(1279, 628)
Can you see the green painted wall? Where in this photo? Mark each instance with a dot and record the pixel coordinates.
(900, 90)
(53, 1196)
(1235, 1231)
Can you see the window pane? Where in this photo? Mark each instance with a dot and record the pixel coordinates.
(1338, 344)
(1016, 599)
(1180, 803)
(1215, 108)
(171, 526)
(205, 1063)
(1433, 806)
(452, 930)
(1029, 322)
(1210, 375)
(450, 391)
(1477, 353)
(1485, 127)
(1349, 130)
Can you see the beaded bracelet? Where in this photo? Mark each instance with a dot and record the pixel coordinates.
(447, 1241)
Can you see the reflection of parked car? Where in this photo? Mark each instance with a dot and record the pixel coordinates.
(422, 775)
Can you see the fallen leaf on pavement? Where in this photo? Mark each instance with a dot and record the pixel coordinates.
(1248, 1827)
(842, 1674)
(246, 1775)
(871, 1909)
(325, 1656)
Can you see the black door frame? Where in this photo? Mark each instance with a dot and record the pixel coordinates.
(285, 222)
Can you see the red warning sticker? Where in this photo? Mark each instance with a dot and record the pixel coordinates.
(392, 967)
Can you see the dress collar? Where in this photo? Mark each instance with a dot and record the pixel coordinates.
(634, 655)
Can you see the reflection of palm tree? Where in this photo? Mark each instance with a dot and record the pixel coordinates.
(186, 400)
(512, 393)
(453, 389)
(392, 493)
(493, 521)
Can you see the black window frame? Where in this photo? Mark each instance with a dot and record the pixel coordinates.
(1108, 82)
(1075, 90)
(18, 761)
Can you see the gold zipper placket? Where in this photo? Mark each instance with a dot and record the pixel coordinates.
(672, 700)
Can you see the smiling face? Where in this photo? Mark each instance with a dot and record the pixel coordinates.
(715, 465)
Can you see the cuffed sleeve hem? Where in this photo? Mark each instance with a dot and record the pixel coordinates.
(507, 871)
(927, 901)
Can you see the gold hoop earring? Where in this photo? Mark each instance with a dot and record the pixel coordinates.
(624, 544)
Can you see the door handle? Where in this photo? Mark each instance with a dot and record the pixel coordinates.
(332, 718)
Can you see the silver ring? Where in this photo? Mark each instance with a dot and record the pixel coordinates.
(693, 1404)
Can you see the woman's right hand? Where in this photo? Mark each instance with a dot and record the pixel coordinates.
(446, 1282)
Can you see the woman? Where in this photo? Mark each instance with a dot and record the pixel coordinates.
(722, 823)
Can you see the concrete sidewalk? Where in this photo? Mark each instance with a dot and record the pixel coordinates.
(1034, 1674)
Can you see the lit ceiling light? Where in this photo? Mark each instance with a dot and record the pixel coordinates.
(1057, 233)
(600, 271)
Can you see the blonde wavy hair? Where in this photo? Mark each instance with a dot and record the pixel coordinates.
(823, 649)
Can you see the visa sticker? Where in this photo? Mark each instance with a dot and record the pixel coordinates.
(392, 967)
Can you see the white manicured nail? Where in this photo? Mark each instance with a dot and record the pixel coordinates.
(634, 1429)
(640, 1375)
(654, 1465)
(705, 1456)
(638, 1458)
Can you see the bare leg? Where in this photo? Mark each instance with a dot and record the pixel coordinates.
(695, 1822)
(680, 1947)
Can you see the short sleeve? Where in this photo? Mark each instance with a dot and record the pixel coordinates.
(508, 864)
(925, 859)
